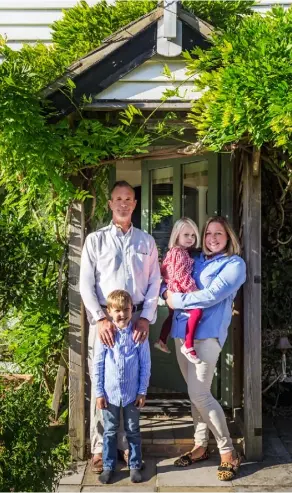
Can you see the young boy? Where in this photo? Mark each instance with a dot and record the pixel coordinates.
(121, 377)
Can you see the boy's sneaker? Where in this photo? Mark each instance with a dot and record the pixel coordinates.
(135, 475)
(106, 476)
(189, 354)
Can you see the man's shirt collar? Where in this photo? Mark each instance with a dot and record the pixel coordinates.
(118, 231)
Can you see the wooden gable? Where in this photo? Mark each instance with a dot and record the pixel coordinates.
(126, 66)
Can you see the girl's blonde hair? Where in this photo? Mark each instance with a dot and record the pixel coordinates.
(233, 245)
(177, 228)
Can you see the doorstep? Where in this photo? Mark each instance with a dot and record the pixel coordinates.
(168, 436)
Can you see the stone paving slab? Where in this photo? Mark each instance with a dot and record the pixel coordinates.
(267, 474)
(74, 475)
(203, 475)
(122, 478)
(117, 489)
(272, 475)
(67, 488)
(160, 475)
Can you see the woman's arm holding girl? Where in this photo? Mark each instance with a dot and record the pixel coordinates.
(227, 282)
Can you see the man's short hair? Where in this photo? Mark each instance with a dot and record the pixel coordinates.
(119, 299)
(121, 183)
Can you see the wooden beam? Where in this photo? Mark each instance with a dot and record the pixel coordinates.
(225, 171)
(252, 312)
(62, 371)
(76, 337)
(116, 105)
(237, 318)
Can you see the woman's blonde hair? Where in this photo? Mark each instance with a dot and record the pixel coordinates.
(177, 228)
(232, 247)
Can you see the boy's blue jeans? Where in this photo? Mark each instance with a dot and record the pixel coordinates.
(111, 416)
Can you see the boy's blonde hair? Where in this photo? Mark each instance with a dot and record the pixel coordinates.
(119, 299)
(233, 245)
(177, 228)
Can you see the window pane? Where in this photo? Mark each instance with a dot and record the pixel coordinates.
(161, 207)
(195, 192)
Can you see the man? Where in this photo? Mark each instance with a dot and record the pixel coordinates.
(118, 256)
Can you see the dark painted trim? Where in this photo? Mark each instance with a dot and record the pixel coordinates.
(116, 65)
(192, 39)
(107, 71)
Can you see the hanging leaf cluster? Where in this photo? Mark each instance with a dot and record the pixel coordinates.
(245, 81)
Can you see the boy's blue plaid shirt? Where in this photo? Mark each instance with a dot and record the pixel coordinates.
(122, 372)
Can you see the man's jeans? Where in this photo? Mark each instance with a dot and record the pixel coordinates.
(111, 418)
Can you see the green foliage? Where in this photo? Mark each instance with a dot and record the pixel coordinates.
(162, 207)
(221, 13)
(31, 459)
(44, 168)
(245, 78)
(83, 28)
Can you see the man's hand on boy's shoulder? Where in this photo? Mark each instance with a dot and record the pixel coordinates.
(140, 400)
(141, 330)
(106, 332)
(101, 403)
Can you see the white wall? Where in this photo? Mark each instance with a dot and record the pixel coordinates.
(264, 5)
(28, 21)
(148, 83)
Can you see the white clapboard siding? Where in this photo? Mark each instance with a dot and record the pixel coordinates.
(148, 82)
(17, 45)
(29, 17)
(31, 33)
(153, 69)
(151, 91)
(265, 5)
(29, 21)
(41, 4)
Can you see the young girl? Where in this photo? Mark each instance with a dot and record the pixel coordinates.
(176, 271)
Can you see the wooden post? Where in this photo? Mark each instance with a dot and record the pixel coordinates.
(252, 312)
(237, 319)
(76, 337)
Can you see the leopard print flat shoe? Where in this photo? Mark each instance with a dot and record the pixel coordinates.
(187, 459)
(227, 471)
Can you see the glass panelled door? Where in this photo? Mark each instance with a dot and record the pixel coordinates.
(171, 189)
(161, 206)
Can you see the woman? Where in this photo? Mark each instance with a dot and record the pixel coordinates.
(219, 272)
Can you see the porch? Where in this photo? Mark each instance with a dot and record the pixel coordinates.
(170, 181)
(165, 437)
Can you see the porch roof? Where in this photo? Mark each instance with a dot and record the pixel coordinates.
(120, 54)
